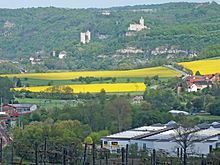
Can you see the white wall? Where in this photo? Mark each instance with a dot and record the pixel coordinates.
(33, 108)
(113, 149)
(170, 147)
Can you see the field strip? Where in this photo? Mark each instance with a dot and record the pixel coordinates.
(91, 88)
(146, 72)
(203, 66)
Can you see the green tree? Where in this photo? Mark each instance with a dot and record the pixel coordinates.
(198, 73)
(162, 99)
(5, 93)
(88, 140)
(214, 108)
(118, 114)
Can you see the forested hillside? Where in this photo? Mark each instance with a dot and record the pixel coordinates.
(183, 30)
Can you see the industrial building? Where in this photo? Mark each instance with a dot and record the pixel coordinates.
(161, 138)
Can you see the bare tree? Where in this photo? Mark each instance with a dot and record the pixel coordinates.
(185, 136)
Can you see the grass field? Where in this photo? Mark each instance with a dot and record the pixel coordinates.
(214, 58)
(160, 71)
(208, 118)
(92, 88)
(41, 82)
(46, 103)
(203, 66)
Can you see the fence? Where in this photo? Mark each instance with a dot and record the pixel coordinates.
(48, 153)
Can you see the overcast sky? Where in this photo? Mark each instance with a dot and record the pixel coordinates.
(82, 3)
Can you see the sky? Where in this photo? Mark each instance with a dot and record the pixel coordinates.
(83, 3)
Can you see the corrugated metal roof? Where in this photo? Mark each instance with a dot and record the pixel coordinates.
(137, 132)
(164, 135)
(22, 105)
(127, 134)
(150, 128)
(160, 133)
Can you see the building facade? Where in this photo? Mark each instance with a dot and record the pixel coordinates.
(85, 37)
(137, 27)
(161, 138)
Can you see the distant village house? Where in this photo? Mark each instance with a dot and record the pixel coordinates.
(106, 13)
(36, 60)
(19, 109)
(196, 83)
(138, 99)
(62, 54)
(53, 53)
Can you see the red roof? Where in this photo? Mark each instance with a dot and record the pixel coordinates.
(8, 106)
(10, 111)
(197, 79)
(15, 114)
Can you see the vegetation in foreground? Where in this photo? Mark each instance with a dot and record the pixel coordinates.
(95, 115)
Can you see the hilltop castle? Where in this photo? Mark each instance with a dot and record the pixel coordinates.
(137, 27)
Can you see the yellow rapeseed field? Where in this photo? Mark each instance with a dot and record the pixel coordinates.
(160, 71)
(92, 88)
(203, 66)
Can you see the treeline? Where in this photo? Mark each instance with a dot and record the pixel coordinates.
(7, 67)
(182, 68)
(89, 80)
(6, 95)
(211, 51)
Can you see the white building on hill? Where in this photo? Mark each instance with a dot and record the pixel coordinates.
(137, 27)
(85, 37)
(62, 54)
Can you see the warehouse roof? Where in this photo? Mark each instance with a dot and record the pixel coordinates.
(140, 132)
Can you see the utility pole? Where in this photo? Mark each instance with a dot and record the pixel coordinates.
(64, 156)
(122, 155)
(36, 154)
(12, 153)
(1, 104)
(106, 157)
(1, 154)
(154, 157)
(181, 155)
(45, 151)
(126, 155)
(84, 156)
(93, 153)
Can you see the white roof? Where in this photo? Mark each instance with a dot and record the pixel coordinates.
(198, 135)
(208, 132)
(128, 134)
(2, 113)
(150, 128)
(162, 135)
(215, 123)
(137, 132)
(179, 112)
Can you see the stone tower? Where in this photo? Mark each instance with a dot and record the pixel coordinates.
(142, 21)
